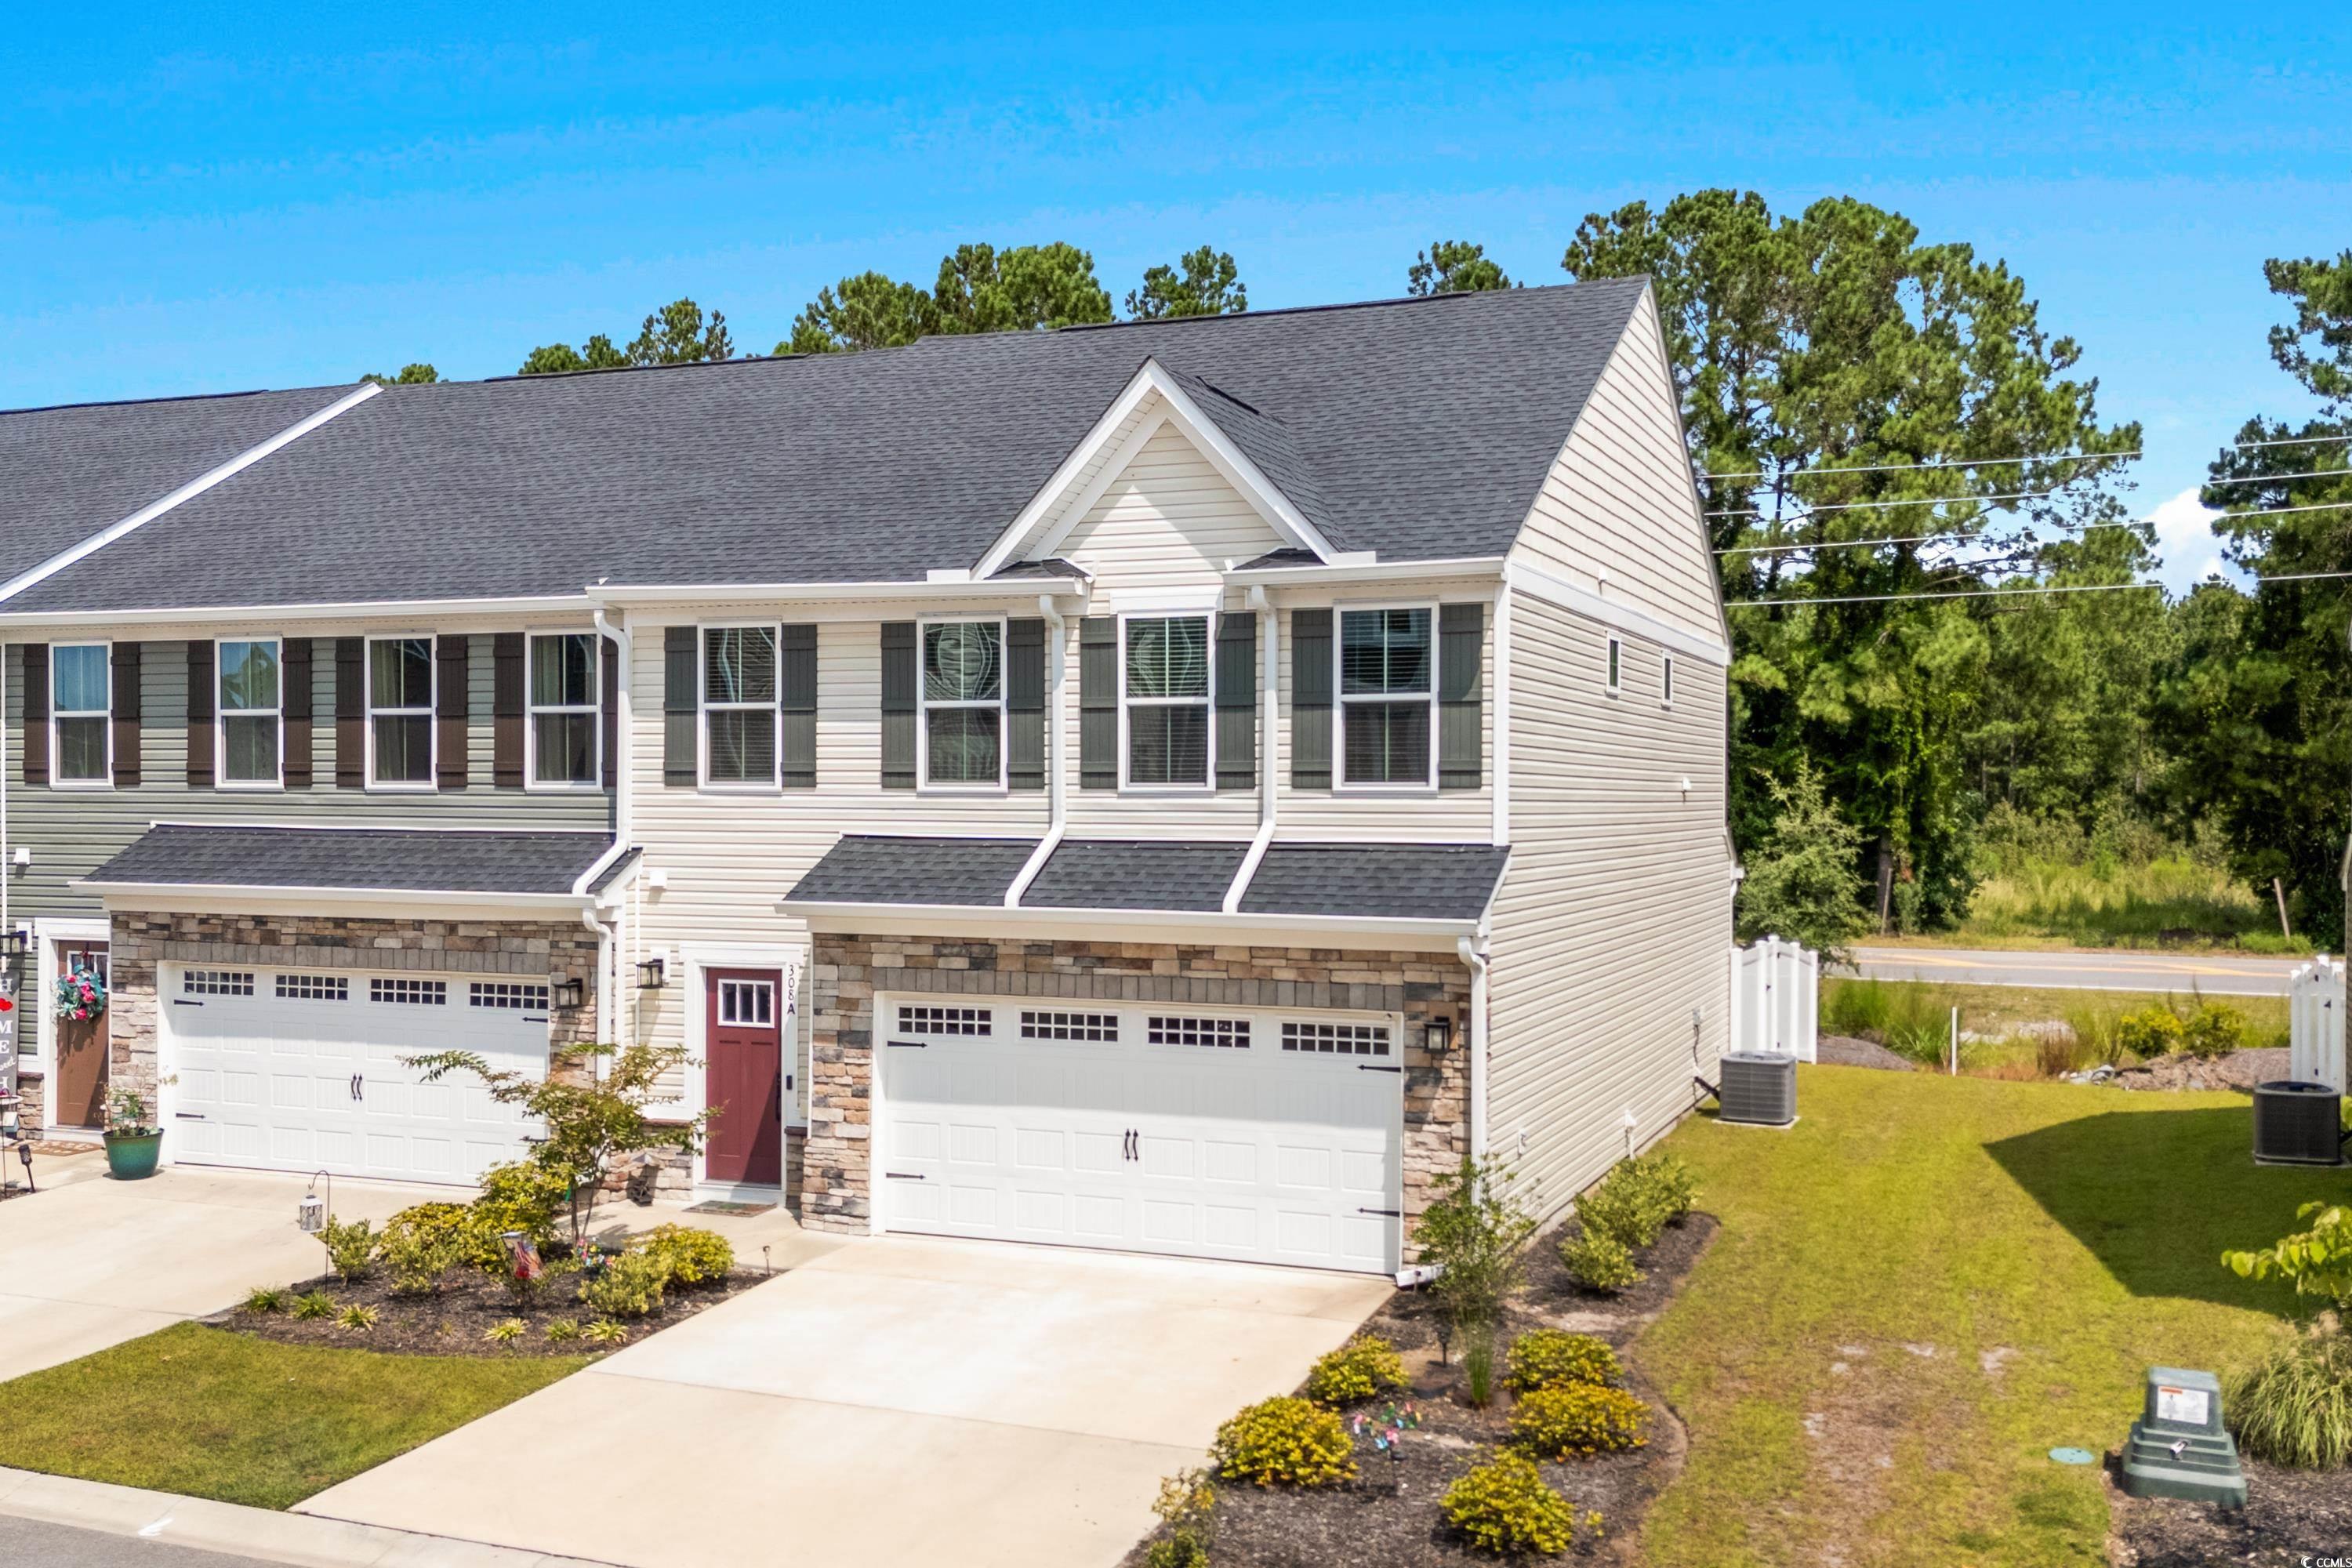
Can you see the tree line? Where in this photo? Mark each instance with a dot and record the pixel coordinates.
(1892, 448)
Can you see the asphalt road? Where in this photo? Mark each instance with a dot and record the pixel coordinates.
(61, 1546)
(2211, 974)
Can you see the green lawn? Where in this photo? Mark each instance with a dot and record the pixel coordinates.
(217, 1414)
(1925, 1285)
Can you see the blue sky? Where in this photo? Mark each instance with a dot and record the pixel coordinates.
(207, 198)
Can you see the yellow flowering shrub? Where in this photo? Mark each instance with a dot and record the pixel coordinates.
(1365, 1366)
(1504, 1507)
(1578, 1421)
(1554, 1358)
(1285, 1441)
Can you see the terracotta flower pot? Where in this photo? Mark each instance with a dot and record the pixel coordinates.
(130, 1156)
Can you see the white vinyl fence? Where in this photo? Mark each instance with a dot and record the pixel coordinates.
(2316, 1005)
(1775, 999)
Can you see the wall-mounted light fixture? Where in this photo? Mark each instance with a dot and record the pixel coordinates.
(569, 992)
(652, 972)
(14, 943)
(1437, 1037)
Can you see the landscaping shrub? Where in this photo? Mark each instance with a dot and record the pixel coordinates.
(691, 1256)
(314, 1304)
(560, 1330)
(605, 1332)
(1285, 1441)
(1504, 1507)
(1188, 1506)
(2215, 1029)
(419, 1252)
(523, 1196)
(1359, 1369)
(505, 1332)
(1578, 1421)
(1638, 1199)
(358, 1318)
(460, 1227)
(1554, 1358)
(630, 1285)
(1599, 1261)
(2295, 1407)
(263, 1298)
(2316, 1261)
(2150, 1032)
(350, 1247)
(1473, 1231)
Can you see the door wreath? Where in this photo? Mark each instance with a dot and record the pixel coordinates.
(81, 996)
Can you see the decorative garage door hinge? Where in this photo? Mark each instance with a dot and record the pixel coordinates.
(1375, 1066)
(1390, 1214)
(904, 1176)
(910, 1044)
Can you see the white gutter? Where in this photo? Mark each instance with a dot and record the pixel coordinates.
(187, 493)
(235, 892)
(1269, 721)
(739, 593)
(1365, 571)
(604, 944)
(297, 612)
(1056, 814)
(623, 729)
(1474, 953)
(815, 909)
(580, 884)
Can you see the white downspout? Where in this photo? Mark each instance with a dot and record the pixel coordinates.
(1056, 787)
(1473, 956)
(1269, 711)
(623, 729)
(1501, 722)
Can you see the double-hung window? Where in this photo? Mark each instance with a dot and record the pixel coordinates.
(400, 712)
(963, 732)
(739, 705)
(81, 707)
(251, 707)
(1388, 688)
(563, 727)
(1166, 690)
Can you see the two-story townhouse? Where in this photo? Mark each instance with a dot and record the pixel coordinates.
(1173, 786)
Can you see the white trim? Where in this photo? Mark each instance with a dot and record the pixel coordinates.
(46, 934)
(1345, 571)
(924, 704)
(1080, 505)
(370, 784)
(189, 491)
(696, 959)
(296, 610)
(220, 781)
(1499, 721)
(1207, 702)
(580, 884)
(201, 898)
(1078, 923)
(826, 592)
(1232, 464)
(595, 711)
(1555, 589)
(105, 781)
(1340, 782)
(703, 708)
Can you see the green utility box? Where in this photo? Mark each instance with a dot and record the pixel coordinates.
(2177, 1448)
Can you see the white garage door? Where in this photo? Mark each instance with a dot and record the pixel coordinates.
(301, 1070)
(1209, 1133)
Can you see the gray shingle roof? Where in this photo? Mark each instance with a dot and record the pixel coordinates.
(386, 859)
(68, 473)
(1451, 882)
(1420, 428)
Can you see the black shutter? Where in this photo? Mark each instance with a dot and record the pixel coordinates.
(451, 702)
(1461, 647)
(608, 710)
(1237, 700)
(681, 661)
(126, 715)
(796, 694)
(1098, 703)
(296, 694)
(37, 715)
(1310, 699)
(351, 712)
(899, 705)
(1024, 703)
(506, 678)
(202, 694)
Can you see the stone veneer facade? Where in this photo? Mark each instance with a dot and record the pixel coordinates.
(836, 1183)
(555, 950)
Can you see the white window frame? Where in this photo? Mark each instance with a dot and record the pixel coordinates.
(704, 707)
(105, 717)
(1666, 681)
(1340, 699)
(1613, 671)
(924, 704)
(1207, 702)
(432, 711)
(594, 709)
(220, 720)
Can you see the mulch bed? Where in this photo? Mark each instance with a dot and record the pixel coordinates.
(452, 1322)
(2290, 1518)
(2241, 1070)
(1389, 1514)
(1853, 1051)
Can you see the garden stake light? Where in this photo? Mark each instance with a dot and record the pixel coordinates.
(310, 1214)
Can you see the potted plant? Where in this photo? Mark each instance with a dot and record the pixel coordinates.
(132, 1141)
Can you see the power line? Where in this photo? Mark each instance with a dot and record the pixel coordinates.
(2082, 527)
(2282, 479)
(2013, 593)
(1939, 463)
(2297, 441)
(1919, 500)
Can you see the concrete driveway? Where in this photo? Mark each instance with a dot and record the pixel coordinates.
(890, 1400)
(88, 1262)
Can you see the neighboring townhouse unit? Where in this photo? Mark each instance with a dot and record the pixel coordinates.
(1174, 786)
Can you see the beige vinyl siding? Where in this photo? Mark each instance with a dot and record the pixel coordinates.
(1169, 523)
(71, 832)
(1613, 921)
(1151, 408)
(1618, 500)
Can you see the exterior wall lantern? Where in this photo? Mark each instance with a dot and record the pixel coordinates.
(569, 992)
(310, 1214)
(1437, 1037)
(652, 972)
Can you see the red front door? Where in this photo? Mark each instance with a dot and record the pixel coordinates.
(745, 1069)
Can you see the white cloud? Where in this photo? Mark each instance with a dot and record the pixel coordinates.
(2184, 538)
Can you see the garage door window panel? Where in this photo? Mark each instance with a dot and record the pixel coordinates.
(979, 1022)
(410, 992)
(313, 988)
(1165, 701)
(1321, 1038)
(963, 732)
(251, 713)
(81, 710)
(508, 995)
(1092, 1029)
(216, 983)
(400, 714)
(564, 719)
(1222, 1034)
(1388, 686)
